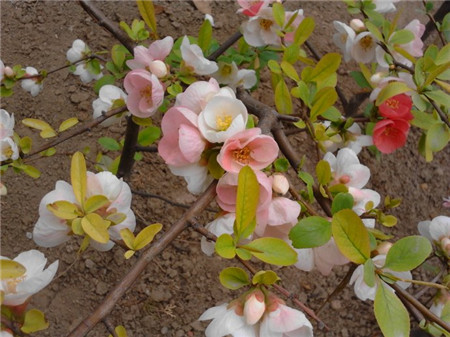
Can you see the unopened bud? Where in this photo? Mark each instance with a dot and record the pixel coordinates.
(357, 25)
(377, 77)
(158, 68)
(3, 190)
(383, 248)
(8, 72)
(280, 184)
(254, 307)
(445, 244)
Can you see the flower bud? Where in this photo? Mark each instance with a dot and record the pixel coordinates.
(445, 244)
(357, 25)
(383, 248)
(158, 68)
(8, 72)
(377, 77)
(254, 307)
(3, 190)
(280, 184)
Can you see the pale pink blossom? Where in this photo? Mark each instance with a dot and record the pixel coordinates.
(289, 36)
(197, 95)
(221, 225)
(6, 124)
(363, 48)
(145, 93)
(17, 290)
(152, 58)
(385, 6)
(261, 30)
(437, 231)
(347, 169)
(343, 39)
(446, 202)
(196, 175)
(193, 57)
(33, 85)
(230, 75)
(248, 147)
(85, 74)
(282, 212)
(254, 307)
(5, 333)
(2, 70)
(227, 189)
(363, 291)
(352, 139)
(181, 144)
(251, 7)
(108, 96)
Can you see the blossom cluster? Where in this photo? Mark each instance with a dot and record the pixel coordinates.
(8, 148)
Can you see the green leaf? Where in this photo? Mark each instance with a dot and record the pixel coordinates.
(78, 176)
(32, 171)
(5, 92)
(146, 235)
(64, 210)
(323, 100)
(272, 250)
(233, 278)
(388, 220)
(309, 181)
(310, 232)
(332, 114)
(118, 54)
(278, 13)
(281, 165)
(401, 37)
(283, 100)
(34, 321)
(392, 89)
(369, 273)
(439, 97)
(127, 237)
(342, 201)
(149, 135)
(391, 315)
(408, 253)
(95, 202)
(351, 236)
(97, 228)
(374, 30)
(438, 137)
(25, 144)
(443, 56)
(327, 65)
(291, 54)
(204, 36)
(225, 246)
(266, 277)
(11, 269)
(77, 229)
(246, 202)
(128, 254)
(68, 123)
(109, 143)
(120, 331)
(422, 120)
(289, 70)
(244, 254)
(274, 66)
(323, 172)
(147, 11)
(303, 31)
(360, 79)
(116, 218)
(46, 130)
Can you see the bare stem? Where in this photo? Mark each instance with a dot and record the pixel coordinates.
(223, 48)
(434, 23)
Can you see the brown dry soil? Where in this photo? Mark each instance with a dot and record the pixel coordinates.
(181, 283)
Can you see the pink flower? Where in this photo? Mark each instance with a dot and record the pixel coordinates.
(415, 46)
(227, 189)
(252, 8)
(397, 107)
(289, 37)
(145, 93)
(250, 148)
(182, 143)
(197, 95)
(389, 135)
(282, 212)
(261, 30)
(254, 307)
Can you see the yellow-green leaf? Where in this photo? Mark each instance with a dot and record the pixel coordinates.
(272, 250)
(84, 244)
(327, 65)
(11, 269)
(324, 99)
(36, 124)
(128, 254)
(147, 11)
(116, 218)
(95, 202)
(25, 144)
(64, 210)
(68, 123)
(146, 236)
(304, 30)
(289, 70)
(225, 246)
(97, 228)
(351, 236)
(120, 331)
(76, 227)
(392, 89)
(78, 176)
(34, 321)
(127, 237)
(246, 202)
(283, 99)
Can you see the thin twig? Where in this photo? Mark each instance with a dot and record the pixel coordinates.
(132, 275)
(438, 109)
(109, 326)
(434, 23)
(223, 48)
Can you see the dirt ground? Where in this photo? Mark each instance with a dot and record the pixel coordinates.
(181, 283)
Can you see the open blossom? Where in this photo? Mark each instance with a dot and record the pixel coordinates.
(182, 143)
(6, 124)
(385, 6)
(197, 95)
(352, 139)
(50, 231)
(8, 149)
(108, 96)
(33, 85)
(78, 51)
(192, 56)
(344, 39)
(364, 46)
(252, 8)
(230, 75)
(360, 198)
(250, 148)
(261, 30)
(152, 58)
(438, 231)
(196, 176)
(17, 290)
(145, 93)
(363, 291)
(389, 135)
(346, 169)
(397, 107)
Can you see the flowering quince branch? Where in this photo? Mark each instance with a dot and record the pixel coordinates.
(434, 23)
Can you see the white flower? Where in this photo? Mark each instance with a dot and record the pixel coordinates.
(197, 95)
(32, 85)
(361, 197)
(192, 55)
(6, 124)
(222, 117)
(344, 39)
(280, 184)
(8, 149)
(230, 75)
(363, 49)
(363, 291)
(385, 6)
(108, 95)
(196, 176)
(347, 170)
(78, 51)
(5, 333)
(221, 225)
(2, 70)
(261, 30)
(18, 290)
(285, 322)
(85, 75)
(353, 139)
(437, 230)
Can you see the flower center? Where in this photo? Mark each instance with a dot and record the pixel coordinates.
(11, 284)
(265, 24)
(226, 70)
(344, 179)
(146, 94)
(7, 151)
(223, 122)
(393, 103)
(242, 155)
(366, 42)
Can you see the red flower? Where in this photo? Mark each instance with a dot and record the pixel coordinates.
(397, 107)
(389, 135)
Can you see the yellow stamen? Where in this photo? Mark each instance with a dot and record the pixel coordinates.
(223, 122)
(146, 93)
(366, 42)
(242, 155)
(265, 24)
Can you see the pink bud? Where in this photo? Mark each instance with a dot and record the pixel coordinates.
(357, 25)
(254, 307)
(383, 248)
(9, 72)
(158, 68)
(445, 244)
(280, 184)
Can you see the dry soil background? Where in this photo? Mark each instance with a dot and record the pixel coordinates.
(181, 283)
